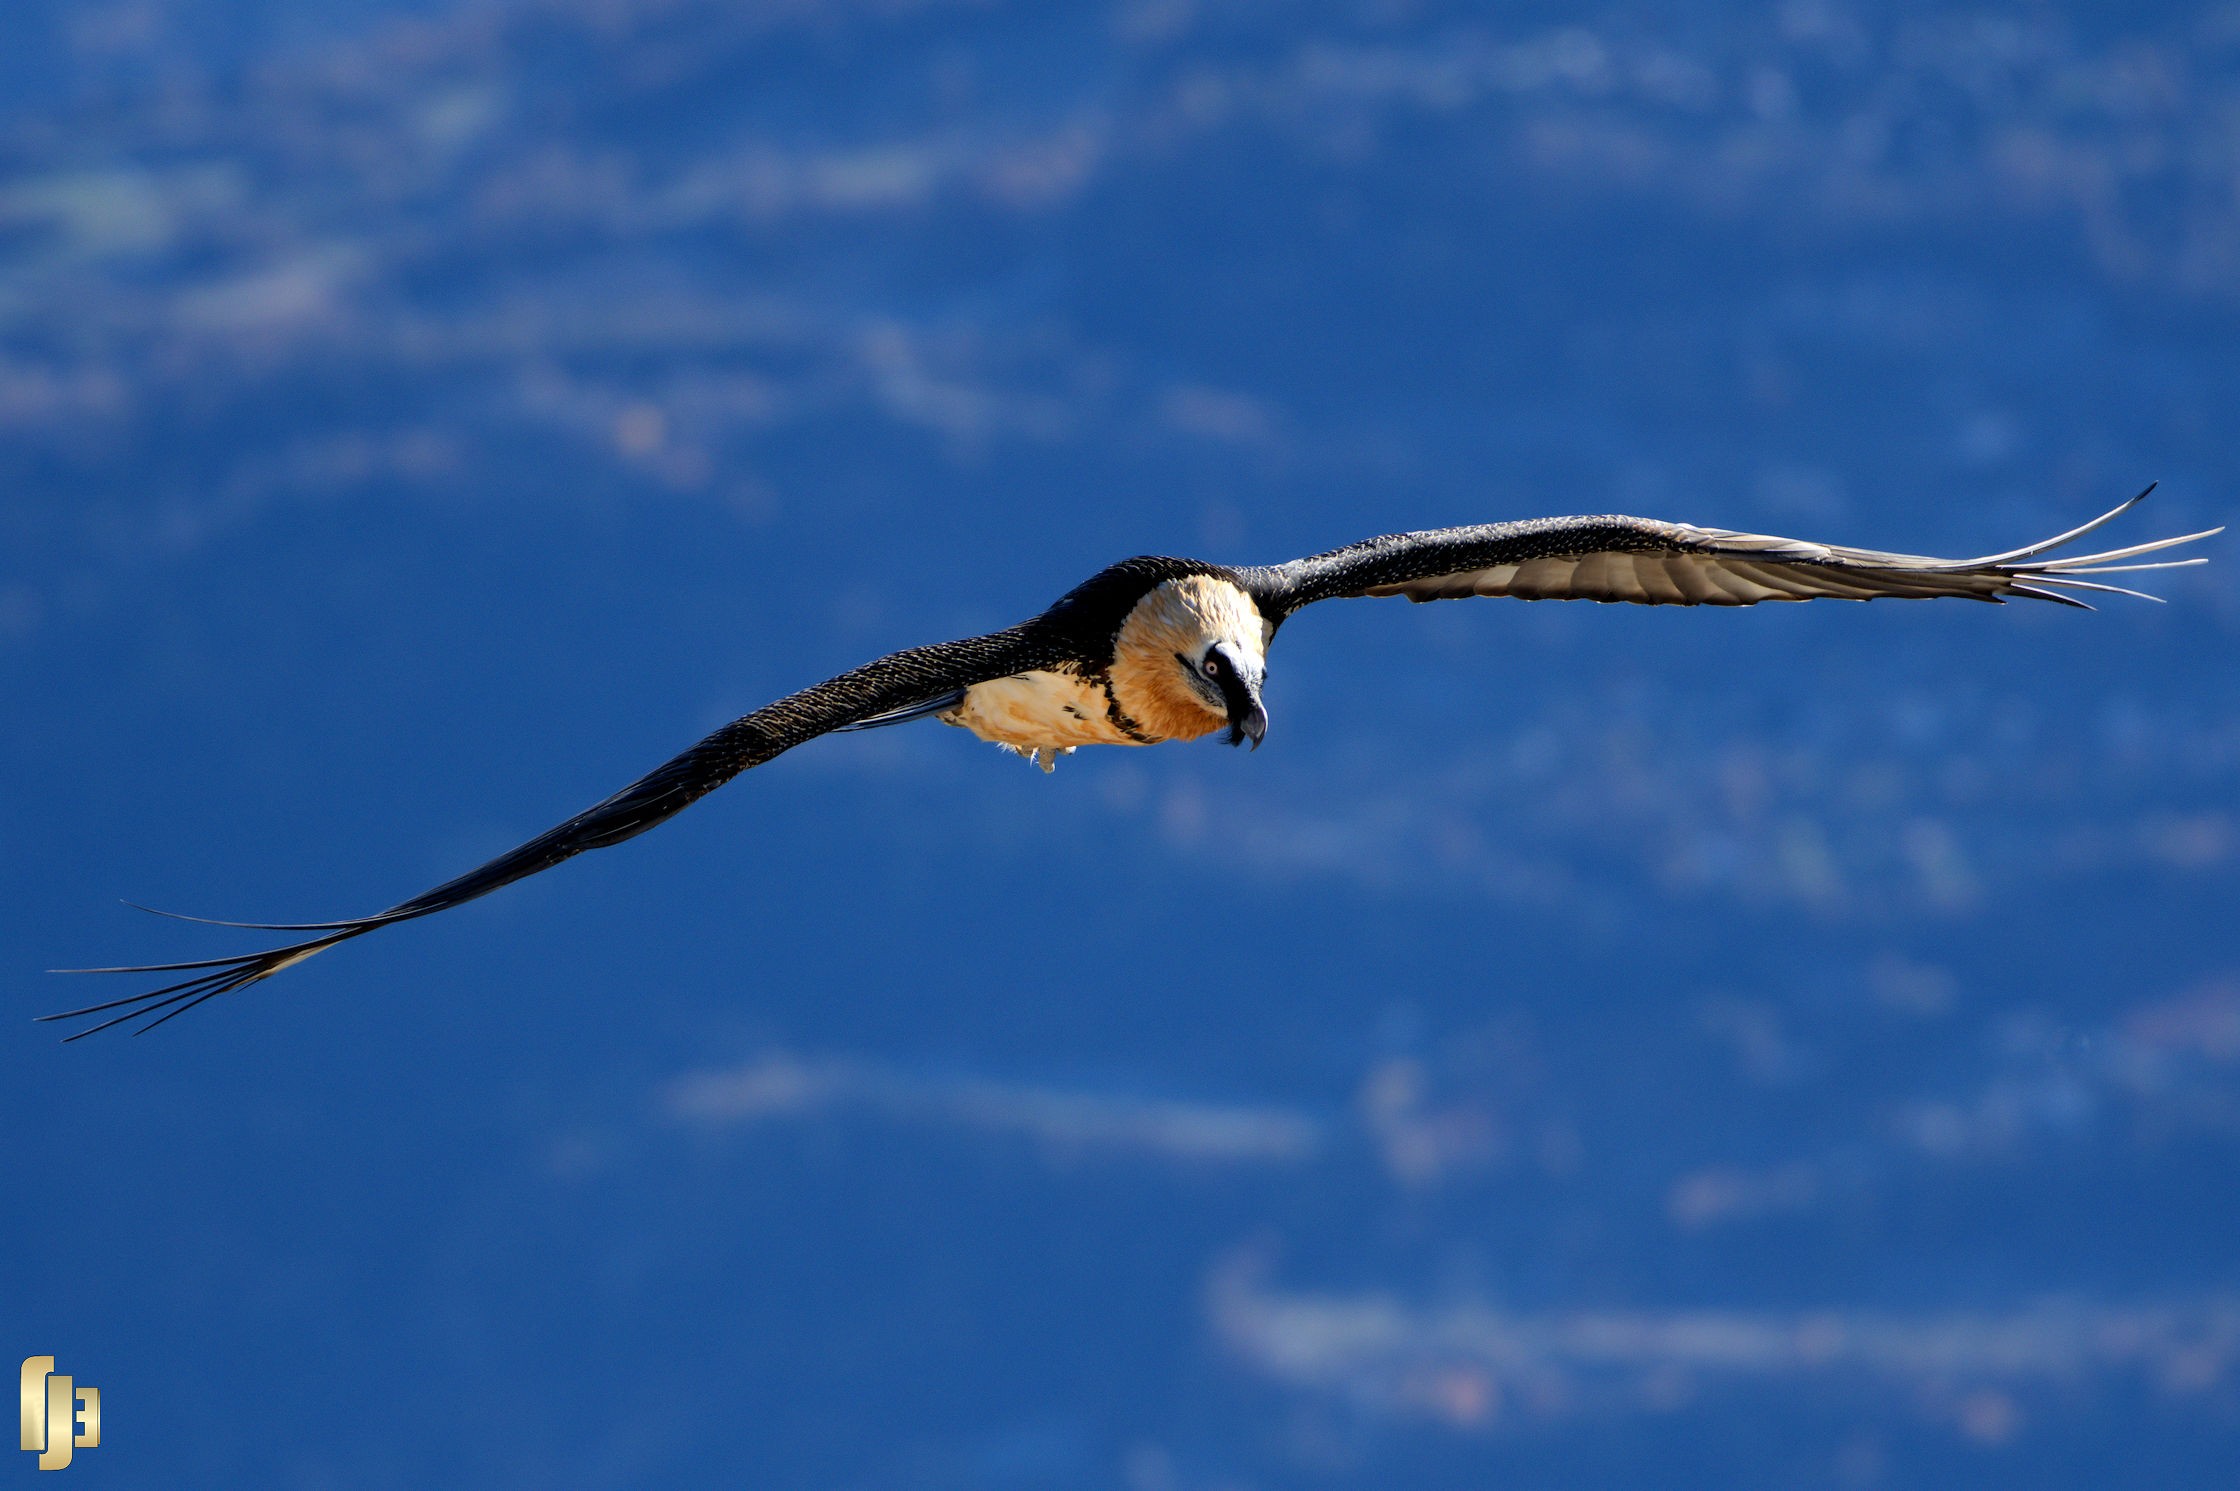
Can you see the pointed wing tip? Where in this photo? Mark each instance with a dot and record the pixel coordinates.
(181, 916)
(2048, 595)
(182, 1009)
(211, 921)
(212, 977)
(2063, 540)
(177, 916)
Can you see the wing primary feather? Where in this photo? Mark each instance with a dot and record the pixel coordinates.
(2047, 595)
(2076, 584)
(2081, 560)
(143, 998)
(144, 968)
(127, 1015)
(156, 999)
(182, 1009)
(2119, 569)
(225, 976)
(210, 921)
(2071, 536)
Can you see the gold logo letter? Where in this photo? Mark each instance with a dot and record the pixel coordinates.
(34, 1401)
(58, 1423)
(89, 1418)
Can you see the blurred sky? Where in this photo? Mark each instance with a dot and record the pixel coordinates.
(1588, 1046)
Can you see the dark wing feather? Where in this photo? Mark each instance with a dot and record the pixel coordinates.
(1650, 563)
(878, 692)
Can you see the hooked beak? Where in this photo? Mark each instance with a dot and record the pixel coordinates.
(1252, 726)
(1248, 717)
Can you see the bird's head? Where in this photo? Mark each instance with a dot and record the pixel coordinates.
(1229, 685)
(1191, 658)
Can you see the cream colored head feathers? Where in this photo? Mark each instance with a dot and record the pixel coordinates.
(1182, 618)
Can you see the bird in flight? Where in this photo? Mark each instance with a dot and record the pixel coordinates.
(1158, 649)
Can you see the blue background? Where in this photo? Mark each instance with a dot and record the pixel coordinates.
(1588, 1046)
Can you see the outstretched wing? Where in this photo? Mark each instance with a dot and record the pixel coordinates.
(882, 692)
(1659, 564)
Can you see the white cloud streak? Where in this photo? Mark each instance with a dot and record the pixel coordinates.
(780, 1086)
(1475, 1364)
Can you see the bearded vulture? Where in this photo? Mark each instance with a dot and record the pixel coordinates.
(1156, 649)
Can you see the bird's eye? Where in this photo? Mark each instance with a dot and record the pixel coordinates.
(1213, 665)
